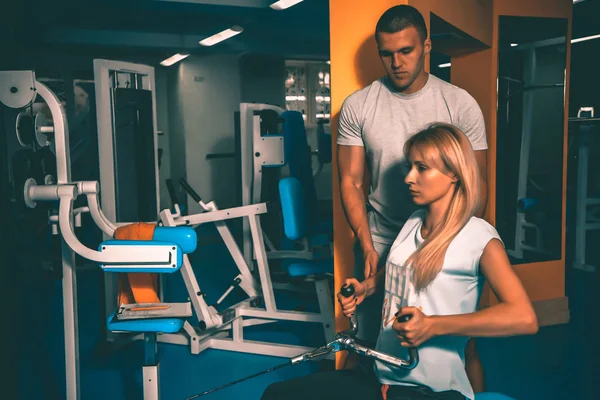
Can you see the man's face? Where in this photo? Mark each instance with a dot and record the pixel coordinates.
(403, 55)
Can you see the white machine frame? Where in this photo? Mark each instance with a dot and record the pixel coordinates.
(225, 330)
(108, 75)
(19, 89)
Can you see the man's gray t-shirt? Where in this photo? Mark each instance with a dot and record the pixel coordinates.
(381, 119)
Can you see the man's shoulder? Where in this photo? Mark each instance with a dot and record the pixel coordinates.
(360, 95)
(449, 88)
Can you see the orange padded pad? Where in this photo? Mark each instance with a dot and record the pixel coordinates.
(137, 287)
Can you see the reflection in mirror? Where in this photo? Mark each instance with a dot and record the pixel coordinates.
(440, 65)
(448, 41)
(530, 136)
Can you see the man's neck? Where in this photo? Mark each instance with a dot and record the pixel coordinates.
(417, 85)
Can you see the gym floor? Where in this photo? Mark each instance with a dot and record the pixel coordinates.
(560, 362)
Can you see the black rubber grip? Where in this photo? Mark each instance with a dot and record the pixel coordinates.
(404, 318)
(190, 191)
(347, 291)
(172, 192)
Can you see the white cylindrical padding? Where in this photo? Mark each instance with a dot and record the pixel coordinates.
(67, 191)
(88, 187)
(40, 192)
(17, 88)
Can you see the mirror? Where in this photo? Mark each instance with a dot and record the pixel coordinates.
(530, 136)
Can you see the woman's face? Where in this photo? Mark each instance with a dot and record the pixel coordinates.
(426, 183)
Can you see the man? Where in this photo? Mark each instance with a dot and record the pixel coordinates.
(373, 126)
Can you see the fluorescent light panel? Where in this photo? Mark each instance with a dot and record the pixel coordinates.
(583, 39)
(223, 35)
(447, 65)
(283, 4)
(173, 59)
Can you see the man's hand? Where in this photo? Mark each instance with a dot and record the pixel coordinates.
(415, 331)
(371, 259)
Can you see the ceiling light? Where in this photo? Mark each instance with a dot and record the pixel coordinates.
(583, 39)
(224, 35)
(447, 65)
(173, 59)
(513, 45)
(283, 4)
(577, 1)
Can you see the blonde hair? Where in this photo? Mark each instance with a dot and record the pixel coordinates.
(447, 149)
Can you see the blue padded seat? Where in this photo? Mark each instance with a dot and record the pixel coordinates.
(491, 396)
(293, 208)
(306, 268)
(299, 160)
(291, 195)
(152, 325)
(183, 236)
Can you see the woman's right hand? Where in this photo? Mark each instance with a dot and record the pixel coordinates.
(349, 304)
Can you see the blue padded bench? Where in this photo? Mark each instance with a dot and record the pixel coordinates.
(491, 396)
(183, 240)
(295, 221)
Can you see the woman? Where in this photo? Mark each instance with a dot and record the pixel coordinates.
(434, 272)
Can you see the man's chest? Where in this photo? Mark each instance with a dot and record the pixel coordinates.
(390, 122)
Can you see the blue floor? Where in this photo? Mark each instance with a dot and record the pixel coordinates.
(560, 362)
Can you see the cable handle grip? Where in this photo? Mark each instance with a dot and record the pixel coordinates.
(347, 291)
(186, 186)
(404, 318)
(172, 192)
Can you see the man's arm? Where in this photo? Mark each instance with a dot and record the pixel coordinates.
(481, 157)
(351, 165)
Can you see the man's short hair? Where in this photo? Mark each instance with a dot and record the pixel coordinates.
(401, 17)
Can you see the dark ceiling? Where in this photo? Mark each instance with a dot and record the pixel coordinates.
(156, 29)
(160, 28)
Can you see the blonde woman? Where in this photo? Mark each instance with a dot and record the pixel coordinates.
(434, 272)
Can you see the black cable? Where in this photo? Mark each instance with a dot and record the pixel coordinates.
(238, 381)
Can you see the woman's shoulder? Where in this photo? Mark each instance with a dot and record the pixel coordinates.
(479, 231)
(415, 220)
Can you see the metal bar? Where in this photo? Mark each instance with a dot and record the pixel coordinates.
(222, 215)
(263, 266)
(282, 315)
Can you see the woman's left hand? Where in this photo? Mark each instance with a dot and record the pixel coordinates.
(415, 331)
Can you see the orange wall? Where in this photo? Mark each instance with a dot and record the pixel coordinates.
(354, 64)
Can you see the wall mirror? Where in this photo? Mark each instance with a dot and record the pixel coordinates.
(530, 136)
